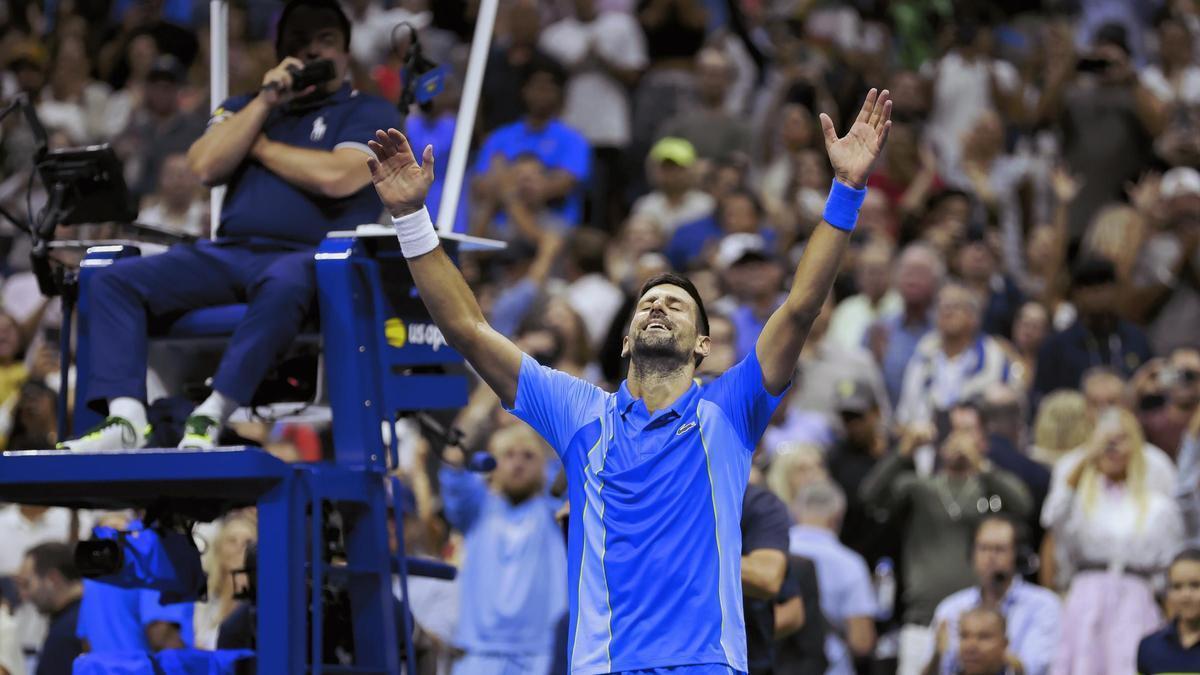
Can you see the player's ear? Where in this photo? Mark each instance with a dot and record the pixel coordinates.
(625, 347)
(703, 346)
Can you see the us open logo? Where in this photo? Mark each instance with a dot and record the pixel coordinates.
(398, 334)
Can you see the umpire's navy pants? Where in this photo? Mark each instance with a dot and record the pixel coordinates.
(278, 286)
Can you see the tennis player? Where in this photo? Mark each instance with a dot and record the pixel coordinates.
(656, 471)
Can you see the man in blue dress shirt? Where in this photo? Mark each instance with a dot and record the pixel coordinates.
(656, 471)
(1033, 615)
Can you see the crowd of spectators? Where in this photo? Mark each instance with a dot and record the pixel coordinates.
(989, 457)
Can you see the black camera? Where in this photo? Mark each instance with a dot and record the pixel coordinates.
(99, 557)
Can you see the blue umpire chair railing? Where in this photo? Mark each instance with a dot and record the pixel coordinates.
(383, 357)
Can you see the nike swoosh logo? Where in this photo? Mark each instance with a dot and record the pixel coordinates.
(685, 428)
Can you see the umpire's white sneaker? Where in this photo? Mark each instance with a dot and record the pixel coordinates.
(200, 432)
(111, 435)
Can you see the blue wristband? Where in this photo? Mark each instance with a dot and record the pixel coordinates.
(841, 208)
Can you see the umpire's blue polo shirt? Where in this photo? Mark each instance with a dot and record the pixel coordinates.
(1163, 653)
(262, 206)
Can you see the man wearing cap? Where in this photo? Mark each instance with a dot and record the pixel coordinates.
(864, 441)
(294, 165)
(1098, 337)
(675, 199)
(1166, 276)
(755, 281)
(656, 472)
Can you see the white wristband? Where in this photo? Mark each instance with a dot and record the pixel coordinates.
(416, 233)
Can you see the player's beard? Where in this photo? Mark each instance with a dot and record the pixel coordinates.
(658, 353)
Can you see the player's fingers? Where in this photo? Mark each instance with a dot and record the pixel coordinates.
(876, 117)
(885, 113)
(427, 162)
(373, 166)
(828, 130)
(385, 144)
(887, 129)
(868, 105)
(401, 142)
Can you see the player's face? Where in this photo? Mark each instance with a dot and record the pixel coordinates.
(664, 326)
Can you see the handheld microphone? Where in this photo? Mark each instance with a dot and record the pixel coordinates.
(313, 72)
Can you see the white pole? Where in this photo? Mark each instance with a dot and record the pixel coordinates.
(469, 104)
(218, 75)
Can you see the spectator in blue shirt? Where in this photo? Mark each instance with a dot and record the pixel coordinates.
(563, 151)
(295, 166)
(514, 581)
(1032, 613)
(755, 282)
(893, 339)
(1176, 648)
(114, 619)
(847, 597)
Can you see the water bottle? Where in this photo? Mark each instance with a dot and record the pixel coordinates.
(885, 588)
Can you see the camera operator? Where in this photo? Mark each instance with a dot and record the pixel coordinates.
(293, 160)
(1108, 118)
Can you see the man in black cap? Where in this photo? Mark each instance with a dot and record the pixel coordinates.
(294, 161)
(1099, 336)
(851, 459)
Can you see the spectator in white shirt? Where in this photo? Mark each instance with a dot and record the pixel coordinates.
(1120, 534)
(1175, 80)
(675, 200)
(967, 82)
(855, 314)
(605, 52)
(177, 205)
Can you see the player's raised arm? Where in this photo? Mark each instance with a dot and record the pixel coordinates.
(852, 157)
(402, 185)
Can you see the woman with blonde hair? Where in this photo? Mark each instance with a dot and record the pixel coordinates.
(795, 466)
(226, 554)
(1119, 535)
(1117, 233)
(1062, 424)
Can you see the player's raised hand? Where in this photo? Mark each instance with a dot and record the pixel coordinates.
(854, 154)
(401, 183)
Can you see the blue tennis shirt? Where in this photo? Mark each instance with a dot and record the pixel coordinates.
(654, 544)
